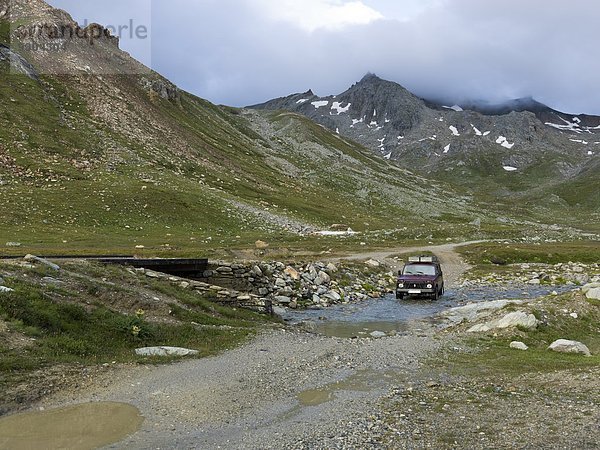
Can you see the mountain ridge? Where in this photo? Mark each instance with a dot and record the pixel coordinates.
(471, 146)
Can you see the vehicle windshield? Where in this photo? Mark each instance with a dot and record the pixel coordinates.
(419, 269)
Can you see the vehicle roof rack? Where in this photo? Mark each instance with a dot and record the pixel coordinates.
(423, 259)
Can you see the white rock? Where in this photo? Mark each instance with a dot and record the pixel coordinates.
(333, 296)
(6, 289)
(377, 334)
(588, 287)
(152, 274)
(372, 263)
(332, 267)
(574, 315)
(37, 259)
(567, 346)
(592, 291)
(518, 345)
(474, 311)
(513, 319)
(322, 278)
(165, 351)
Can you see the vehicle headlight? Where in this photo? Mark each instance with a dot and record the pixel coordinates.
(400, 285)
(429, 286)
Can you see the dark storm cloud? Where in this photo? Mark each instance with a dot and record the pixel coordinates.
(241, 52)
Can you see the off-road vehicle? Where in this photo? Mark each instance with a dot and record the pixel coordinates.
(421, 276)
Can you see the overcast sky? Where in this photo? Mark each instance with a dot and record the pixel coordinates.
(240, 52)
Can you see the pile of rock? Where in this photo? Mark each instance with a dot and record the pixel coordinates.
(316, 284)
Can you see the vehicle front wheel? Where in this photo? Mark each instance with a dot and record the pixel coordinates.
(399, 296)
(436, 294)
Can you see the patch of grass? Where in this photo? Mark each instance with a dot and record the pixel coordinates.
(79, 328)
(493, 355)
(548, 253)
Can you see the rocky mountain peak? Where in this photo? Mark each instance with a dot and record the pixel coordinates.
(369, 78)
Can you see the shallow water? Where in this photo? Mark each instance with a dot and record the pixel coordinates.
(361, 381)
(393, 316)
(78, 427)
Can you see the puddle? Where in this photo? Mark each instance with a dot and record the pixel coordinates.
(362, 381)
(391, 316)
(79, 427)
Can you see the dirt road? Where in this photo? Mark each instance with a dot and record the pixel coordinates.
(453, 265)
(285, 389)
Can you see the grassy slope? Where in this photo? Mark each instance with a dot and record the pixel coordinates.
(163, 173)
(87, 317)
(63, 182)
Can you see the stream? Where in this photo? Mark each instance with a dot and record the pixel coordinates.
(390, 316)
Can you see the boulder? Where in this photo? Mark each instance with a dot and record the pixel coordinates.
(334, 296)
(372, 263)
(518, 345)
(37, 259)
(292, 273)
(4, 289)
(152, 274)
(592, 291)
(165, 351)
(322, 278)
(13, 244)
(567, 346)
(377, 334)
(513, 319)
(257, 272)
(283, 300)
(332, 268)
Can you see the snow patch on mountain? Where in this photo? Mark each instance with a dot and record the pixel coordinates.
(477, 132)
(454, 130)
(302, 100)
(320, 104)
(447, 148)
(504, 142)
(454, 108)
(338, 107)
(357, 121)
(510, 168)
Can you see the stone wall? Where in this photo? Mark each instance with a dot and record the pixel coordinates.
(262, 284)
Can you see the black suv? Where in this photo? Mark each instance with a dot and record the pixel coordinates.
(421, 276)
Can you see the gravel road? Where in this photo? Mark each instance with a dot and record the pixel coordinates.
(284, 389)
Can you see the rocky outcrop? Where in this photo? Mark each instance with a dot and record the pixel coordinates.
(160, 87)
(18, 64)
(511, 320)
